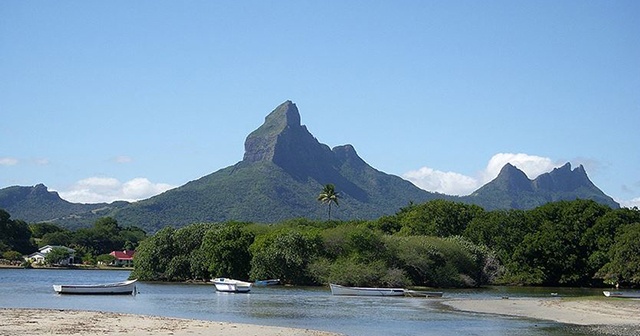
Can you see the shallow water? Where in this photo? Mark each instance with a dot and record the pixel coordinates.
(300, 307)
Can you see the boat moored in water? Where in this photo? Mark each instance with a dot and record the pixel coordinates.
(366, 291)
(231, 285)
(124, 287)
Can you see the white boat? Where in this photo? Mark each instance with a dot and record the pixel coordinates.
(124, 287)
(365, 291)
(618, 294)
(231, 285)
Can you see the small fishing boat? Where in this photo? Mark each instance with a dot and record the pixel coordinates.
(269, 282)
(365, 291)
(619, 294)
(124, 287)
(231, 285)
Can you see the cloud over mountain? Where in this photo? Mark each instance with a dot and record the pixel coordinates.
(453, 183)
(109, 189)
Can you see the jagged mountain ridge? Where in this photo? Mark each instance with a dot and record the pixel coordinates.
(512, 189)
(282, 171)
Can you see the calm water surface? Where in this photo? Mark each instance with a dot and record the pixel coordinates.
(313, 308)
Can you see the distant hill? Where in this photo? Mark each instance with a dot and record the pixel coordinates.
(280, 176)
(35, 204)
(512, 189)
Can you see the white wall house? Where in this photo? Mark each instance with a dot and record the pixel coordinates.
(38, 257)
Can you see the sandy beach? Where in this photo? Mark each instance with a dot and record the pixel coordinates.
(614, 317)
(22, 322)
(572, 311)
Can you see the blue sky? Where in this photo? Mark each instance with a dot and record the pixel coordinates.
(122, 100)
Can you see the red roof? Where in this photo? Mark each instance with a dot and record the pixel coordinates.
(123, 255)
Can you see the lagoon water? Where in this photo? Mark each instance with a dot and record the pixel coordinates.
(298, 307)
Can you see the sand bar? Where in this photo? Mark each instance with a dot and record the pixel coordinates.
(22, 322)
(572, 311)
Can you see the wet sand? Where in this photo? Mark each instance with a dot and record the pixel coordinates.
(571, 311)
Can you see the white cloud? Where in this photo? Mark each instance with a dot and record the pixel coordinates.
(531, 165)
(108, 189)
(449, 183)
(8, 161)
(631, 203)
(453, 183)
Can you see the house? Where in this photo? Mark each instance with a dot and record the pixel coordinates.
(36, 257)
(123, 258)
(39, 257)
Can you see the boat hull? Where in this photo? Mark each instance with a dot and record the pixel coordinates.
(231, 285)
(365, 291)
(118, 288)
(617, 294)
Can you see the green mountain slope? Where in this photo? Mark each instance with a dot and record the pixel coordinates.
(280, 176)
(282, 172)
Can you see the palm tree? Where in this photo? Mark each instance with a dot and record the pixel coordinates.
(329, 195)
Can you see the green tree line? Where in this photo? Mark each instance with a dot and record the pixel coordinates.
(17, 238)
(439, 244)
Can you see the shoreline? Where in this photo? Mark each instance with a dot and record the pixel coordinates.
(68, 322)
(576, 311)
(603, 316)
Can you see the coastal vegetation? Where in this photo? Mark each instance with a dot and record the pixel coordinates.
(439, 243)
(92, 244)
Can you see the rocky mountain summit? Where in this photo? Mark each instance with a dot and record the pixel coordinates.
(282, 171)
(512, 189)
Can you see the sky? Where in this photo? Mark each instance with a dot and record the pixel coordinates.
(122, 100)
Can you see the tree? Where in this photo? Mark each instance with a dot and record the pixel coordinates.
(38, 230)
(12, 256)
(558, 252)
(153, 256)
(57, 255)
(440, 218)
(227, 251)
(15, 234)
(329, 195)
(284, 255)
(624, 266)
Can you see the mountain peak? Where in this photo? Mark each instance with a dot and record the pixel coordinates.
(286, 114)
(511, 178)
(563, 178)
(260, 145)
